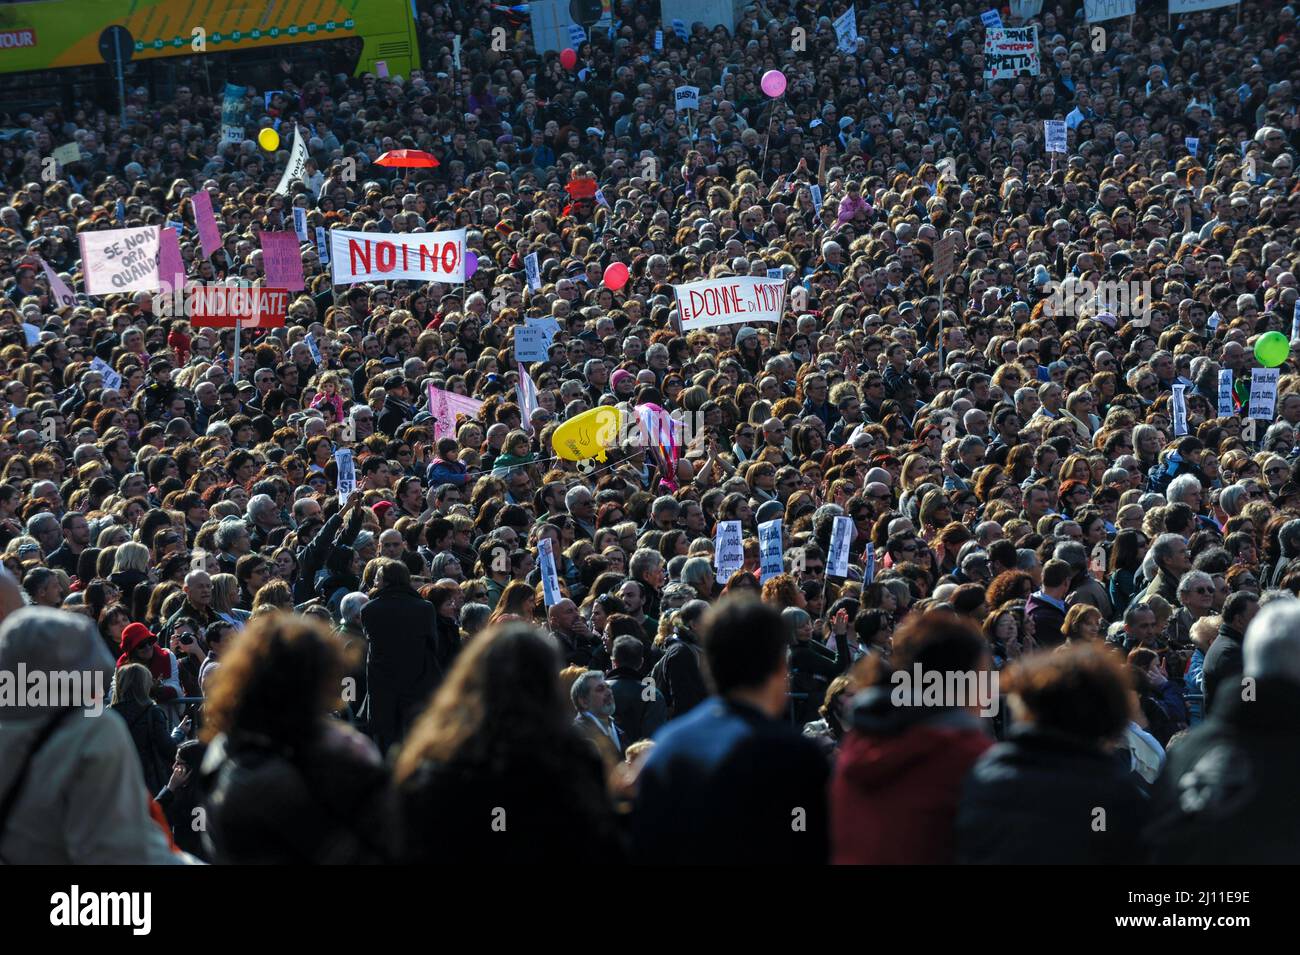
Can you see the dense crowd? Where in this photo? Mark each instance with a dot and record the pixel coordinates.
(302, 678)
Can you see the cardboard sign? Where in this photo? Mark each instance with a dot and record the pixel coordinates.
(991, 19)
(297, 168)
(112, 380)
(533, 271)
(171, 267)
(728, 550)
(67, 153)
(383, 257)
(1054, 136)
(1263, 393)
(1098, 10)
(732, 300)
(59, 291)
(1011, 51)
(120, 260)
(1192, 144)
(869, 564)
(531, 343)
(770, 550)
(945, 253)
(837, 561)
(282, 260)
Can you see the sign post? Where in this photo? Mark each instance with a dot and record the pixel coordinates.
(117, 46)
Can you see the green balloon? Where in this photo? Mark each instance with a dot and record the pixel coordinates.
(1272, 349)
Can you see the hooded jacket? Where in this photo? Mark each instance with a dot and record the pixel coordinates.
(898, 780)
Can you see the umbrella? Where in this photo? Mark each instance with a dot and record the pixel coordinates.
(408, 159)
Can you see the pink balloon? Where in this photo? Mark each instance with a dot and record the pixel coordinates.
(615, 276)
(471, 264)
(773, 83)
(568, 58)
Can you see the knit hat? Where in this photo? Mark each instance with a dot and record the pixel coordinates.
(620, 375)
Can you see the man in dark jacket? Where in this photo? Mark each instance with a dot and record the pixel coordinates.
(639, 708)
(401, 661)
(1227, 794)
(397, 408)
(731, 782)
(1046, 607)
(1223, 661)
(311, 558)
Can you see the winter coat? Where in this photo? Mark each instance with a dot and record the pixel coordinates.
(402, 669)
(1048, 620)
(898, 779)
(636, 717)
(1035, 799)
(1223, 665)
(151, 734)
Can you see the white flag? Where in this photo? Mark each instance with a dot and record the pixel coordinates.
(297, 167)
(527, 392)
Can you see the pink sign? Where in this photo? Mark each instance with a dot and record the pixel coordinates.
(171, 267)
(206, 222)
(445, 405)
(282, 260)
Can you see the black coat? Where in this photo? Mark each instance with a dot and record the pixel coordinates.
(1035, 799)
(152, 737)
(680, 675)
(1223, 663)
(402, 669)
(1227, 795)
(636, 717)
(812, 667)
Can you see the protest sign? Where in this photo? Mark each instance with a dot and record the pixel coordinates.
(171, 267)
(67, 153)
(846, 30)
(282, 260)
(300, 223)
(224, 306)
(991, 19)
(112, 380)
(770, 550)
(531, 343)
(659, 39)
(1192, 144)
(59, 291)
(869, 564)
(1024, 9)
(120, 260)
(731, 300)
(679, 27)
(444, 406)
(1054, 136)
(1226, 406)
(550, 578)
(297, 168)
(728, 550)
(1180, 410)
(686, 97)
(1098, 11)
(837, 561)
(1263, 393)
(347, 481)
(533, 271)
(1011, 51)
(205, 221)
(816, 192)
(1195, 6)
(378, 256)
(322, 245)
(945, 253)
(232, 115)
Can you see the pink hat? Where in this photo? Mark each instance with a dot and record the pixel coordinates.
(620, 375)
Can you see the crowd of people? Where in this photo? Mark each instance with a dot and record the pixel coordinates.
(295, 675)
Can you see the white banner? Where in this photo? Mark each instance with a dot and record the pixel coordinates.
(1010, 52)
(1263, 393)
(1226, 406)
(686, 97)
(120, 260)
(1100, 10)
(533, 271)
(729, 301)
(1054, 136)
(728, 550)
(837, 561)
(384, 256)
(297, 167)
(1024, 9)
(770, 550)
(846, 30)
(347, 482)
(1193, 6)
(550, 578)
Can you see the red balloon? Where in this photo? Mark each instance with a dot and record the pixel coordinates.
(568, 58)
(615, 276)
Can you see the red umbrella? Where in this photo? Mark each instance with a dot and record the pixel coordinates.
(408, 159)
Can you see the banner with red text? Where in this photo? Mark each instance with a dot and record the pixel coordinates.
(384, 256)
(732, 300)
(221, 306)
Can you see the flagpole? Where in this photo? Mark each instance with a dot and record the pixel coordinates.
(235, 363)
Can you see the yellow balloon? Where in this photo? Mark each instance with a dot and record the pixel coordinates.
(588, 435)
(269, 139)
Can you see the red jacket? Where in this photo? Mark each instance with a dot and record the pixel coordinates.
(895, 791)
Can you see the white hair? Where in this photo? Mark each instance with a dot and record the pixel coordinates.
(1272, 643)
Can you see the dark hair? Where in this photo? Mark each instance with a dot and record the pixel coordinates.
(744, 642)
(1082, 691)
(940, 641)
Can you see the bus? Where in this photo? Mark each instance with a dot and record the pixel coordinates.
(52, 46)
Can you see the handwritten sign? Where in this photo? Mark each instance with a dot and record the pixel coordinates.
(728, 550)
(1054, 135)
(1226, 407)
(383, 257)
(1263, 393)
(846, 30)
(67, 153)
(770, 550)
(531, 343)
(120, 260)
(112, 380)
(347, 482)
(1011, 51)
(1099, 10)
(837, 561)
(729, 301)
(282, 260)
(171, 267)
(300, 223)
(322, 245)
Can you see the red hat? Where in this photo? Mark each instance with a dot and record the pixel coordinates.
(381, 508)
(134, 634)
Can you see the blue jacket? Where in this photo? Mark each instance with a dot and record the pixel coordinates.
(727, 784)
